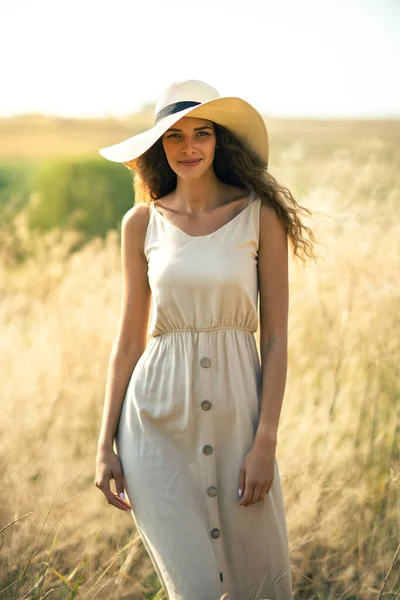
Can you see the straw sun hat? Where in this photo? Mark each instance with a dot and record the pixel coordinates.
(196, 99)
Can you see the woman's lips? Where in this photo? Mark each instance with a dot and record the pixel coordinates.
(191, 163)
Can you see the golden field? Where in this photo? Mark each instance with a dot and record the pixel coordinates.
(338, 446)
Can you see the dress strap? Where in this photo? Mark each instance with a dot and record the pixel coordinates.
(150, 226)
(252, 198)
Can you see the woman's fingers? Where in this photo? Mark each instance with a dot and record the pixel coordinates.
(256, 494)
(115, 500)
(248, 489)
(111, 497)
(242, 481)
(119, 484)
(253, 494)
(265, 490)
(245, 490)
(248, 495)
(255, 480)
(123, 502)
(108, 468)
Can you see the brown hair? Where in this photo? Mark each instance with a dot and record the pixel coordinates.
(235, 165)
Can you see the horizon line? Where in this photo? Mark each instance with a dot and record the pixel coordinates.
(379, 116)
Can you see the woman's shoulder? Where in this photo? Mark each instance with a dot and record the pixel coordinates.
(136, 219)
(271, 224)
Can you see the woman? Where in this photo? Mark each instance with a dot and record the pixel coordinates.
(194, 415)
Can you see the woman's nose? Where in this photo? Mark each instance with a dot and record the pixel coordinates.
(189, 147)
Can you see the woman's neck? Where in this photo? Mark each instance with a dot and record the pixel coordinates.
(196, 195)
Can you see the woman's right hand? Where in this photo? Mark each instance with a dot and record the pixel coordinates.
(108, 467)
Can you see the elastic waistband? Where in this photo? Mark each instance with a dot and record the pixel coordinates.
(204, 330)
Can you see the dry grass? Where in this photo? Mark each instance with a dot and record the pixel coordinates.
(338, 439)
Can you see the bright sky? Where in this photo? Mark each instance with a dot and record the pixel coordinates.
(305, 58)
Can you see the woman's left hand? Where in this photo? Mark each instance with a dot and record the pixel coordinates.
(256, 475)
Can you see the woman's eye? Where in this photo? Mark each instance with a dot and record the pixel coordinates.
(177, 135)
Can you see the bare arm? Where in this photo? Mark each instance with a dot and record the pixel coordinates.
(129, 345)
(274, 306)
(257, 471)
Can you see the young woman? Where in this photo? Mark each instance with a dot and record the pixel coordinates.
(193, 412)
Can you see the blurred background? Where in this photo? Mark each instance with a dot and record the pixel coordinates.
(80, 76)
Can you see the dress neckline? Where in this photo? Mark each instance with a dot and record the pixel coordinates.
(251, 199)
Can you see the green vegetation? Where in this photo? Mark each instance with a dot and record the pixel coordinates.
(88, 196)
(338, 444)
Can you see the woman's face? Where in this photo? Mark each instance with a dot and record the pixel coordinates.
(190, 146)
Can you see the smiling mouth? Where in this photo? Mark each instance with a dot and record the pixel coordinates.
(190, 162)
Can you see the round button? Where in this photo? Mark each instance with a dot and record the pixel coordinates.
(215, 533)
(207, 449)
(206, 405)
(205, 362)
(212, 491)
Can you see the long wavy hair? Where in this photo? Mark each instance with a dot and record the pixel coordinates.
(235, 165)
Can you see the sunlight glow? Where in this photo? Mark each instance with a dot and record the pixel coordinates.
(289, 58)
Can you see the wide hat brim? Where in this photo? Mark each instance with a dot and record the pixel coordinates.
(235, 114)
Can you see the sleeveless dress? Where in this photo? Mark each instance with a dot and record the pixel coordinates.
(190, 414)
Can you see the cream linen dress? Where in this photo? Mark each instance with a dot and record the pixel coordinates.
(190, 414)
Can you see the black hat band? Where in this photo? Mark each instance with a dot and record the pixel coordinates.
(171, 109)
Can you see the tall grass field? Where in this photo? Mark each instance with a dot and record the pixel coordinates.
(338, 439)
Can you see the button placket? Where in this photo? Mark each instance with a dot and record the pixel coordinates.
(209, 467)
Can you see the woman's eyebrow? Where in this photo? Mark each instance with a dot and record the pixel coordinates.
(195, 129)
